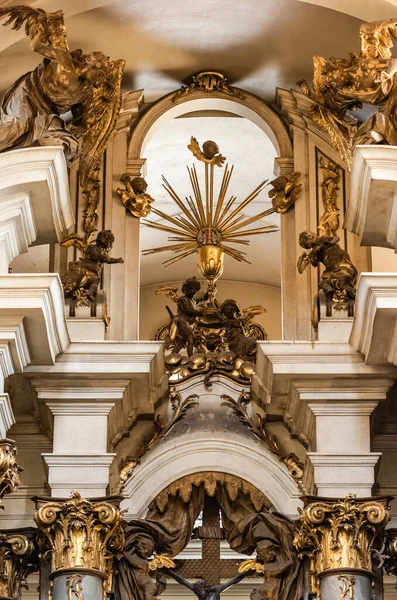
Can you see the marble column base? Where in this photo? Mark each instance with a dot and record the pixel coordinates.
(345, 584)
(77, 583)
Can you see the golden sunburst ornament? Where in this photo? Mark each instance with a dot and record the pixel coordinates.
(208, 226)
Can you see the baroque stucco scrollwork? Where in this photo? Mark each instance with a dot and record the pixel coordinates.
(19, 558)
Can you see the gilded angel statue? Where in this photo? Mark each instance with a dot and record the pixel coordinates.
(344, 84)
(82, 277)
(88, 85)
(134, 196)
(209, 154)
(285, 192)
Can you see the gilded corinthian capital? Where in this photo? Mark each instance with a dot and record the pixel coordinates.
(79, 533)
(18, 559)
(9, 469)
(340, 534)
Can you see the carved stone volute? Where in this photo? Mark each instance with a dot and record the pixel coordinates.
(18, 559)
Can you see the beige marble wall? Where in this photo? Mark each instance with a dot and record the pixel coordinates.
(153, 313)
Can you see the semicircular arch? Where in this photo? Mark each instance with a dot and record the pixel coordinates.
(250, 107)
(168, 463)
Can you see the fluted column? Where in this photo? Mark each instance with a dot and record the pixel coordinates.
(338, 536)
(18, 559)
(82, 537)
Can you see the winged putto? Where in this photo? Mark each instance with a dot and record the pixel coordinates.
(88, 85)
(343, 85)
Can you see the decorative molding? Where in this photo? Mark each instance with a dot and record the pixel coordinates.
(240, 457)
(374, 332)
(39, 299)
(42, 172)
(7, 418)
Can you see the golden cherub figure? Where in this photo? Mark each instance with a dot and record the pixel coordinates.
(209, 154)
(134, 196)
(285, 192)
(82, 277)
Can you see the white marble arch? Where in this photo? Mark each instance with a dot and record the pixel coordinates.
(250, 107)
(172, 459)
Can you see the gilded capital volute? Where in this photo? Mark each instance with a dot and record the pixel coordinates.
(18, 559)
(340, 534)
(79, 533)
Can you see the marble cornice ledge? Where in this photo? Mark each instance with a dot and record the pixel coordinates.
(374, 332)
(32, 313)
(301, 379)
(40, 174)
(372, 208)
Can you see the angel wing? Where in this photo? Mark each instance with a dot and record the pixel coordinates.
(98, 119)
(32, 18)
(168, 291)
(247, 314)
(194, 148)
(341, 133)
(74, 239)
(377, 38)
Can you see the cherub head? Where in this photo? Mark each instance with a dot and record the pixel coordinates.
(201, 588)
(191, 287)
(266, 551)
(139, 185)
(230, 309)
(145, 547)
(210, 149)
(307, 239)
(105, 238)
(213, 341)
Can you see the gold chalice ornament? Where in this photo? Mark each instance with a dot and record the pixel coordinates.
(208, 226)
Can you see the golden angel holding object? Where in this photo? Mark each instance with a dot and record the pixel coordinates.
(134, 196)
(285, 192)
(344, 84)
(81, 280)
(339, 278)
(88, 85)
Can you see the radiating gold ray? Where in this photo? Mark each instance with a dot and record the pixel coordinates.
(197, 194)
(174, 220)
(168, 229)
(228, 206)
(176, 259)
(222, 193)
(248, 221)
(174, 248)
(169, 189)
(245, 203)
(265, 229)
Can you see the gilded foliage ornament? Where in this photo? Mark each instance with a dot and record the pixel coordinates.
(9, 469)
(18, 559)
(208, 82)
(341, 534)
(78, 533)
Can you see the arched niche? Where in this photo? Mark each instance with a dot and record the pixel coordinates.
(250, 107)
(243, 458)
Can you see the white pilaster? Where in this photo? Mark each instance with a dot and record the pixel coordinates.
(79, 460)
(343, 463)
(6, 415)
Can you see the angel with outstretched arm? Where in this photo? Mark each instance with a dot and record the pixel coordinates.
(31, 108)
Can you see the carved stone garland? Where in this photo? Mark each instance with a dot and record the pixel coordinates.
(9, 469)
